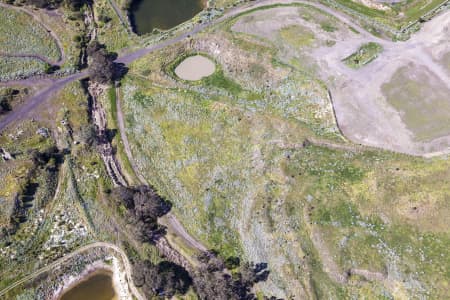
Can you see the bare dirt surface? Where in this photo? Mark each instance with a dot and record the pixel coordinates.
(195, 68)
(362, 112)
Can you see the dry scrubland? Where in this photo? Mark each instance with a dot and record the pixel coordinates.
(20, 34)
(27, 36)
(61, 199)
(238, 155)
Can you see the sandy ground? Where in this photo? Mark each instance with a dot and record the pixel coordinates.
(195, 68)
(363, 113)
(118, 277)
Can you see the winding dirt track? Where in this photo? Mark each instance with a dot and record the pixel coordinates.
(172, 222)
(59, 62)
(34, 101)
(127, 59)
(67, 257)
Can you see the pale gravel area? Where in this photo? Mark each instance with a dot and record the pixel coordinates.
(195, 68)
(363, 114)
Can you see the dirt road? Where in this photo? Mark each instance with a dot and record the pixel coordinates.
(23, 111)
(71, 255)
(62, 58)
(169, 220)
(126, 59)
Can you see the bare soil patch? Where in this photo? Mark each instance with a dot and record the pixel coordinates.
(195, 68)
(422, 100)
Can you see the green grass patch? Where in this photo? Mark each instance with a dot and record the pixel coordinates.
(328, 27)
(21, 34)
(365, 54)
(297, 36)
(219, 80)
(422, 100)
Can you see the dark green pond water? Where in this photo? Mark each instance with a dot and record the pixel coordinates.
(98, 286)
(146, 15)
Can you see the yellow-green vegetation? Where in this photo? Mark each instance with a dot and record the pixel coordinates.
(407, 89)
(111, 31)
(51, 220)
(70, 30)
(249, 173)
(297, 36)
(21, 34)
(364, 55)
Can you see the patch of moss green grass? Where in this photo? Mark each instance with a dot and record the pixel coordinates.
(364, 55)
(428, 119)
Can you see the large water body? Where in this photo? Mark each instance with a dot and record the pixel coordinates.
(98, 286)
(147, 15)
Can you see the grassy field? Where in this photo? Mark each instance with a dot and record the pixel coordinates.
(365, 54)
(239, 166)
(21, 34)
(20, 67)
(112, 33)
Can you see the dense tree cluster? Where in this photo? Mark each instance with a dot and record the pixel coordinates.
(50, 156)
(213, 281)
(102, 68)
(142, 207)
(164, 279)
(6, 97)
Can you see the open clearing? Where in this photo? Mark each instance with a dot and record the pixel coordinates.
(21, 34)
(362, 110)
(254, 164)
(363, 113)
(422, 99)
(195, 68)
(236, 154)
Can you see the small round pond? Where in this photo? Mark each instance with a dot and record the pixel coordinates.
(195, 68)
(97, 286)
(146, 15)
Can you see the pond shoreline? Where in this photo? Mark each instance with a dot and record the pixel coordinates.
(167, 14)
(119, 284)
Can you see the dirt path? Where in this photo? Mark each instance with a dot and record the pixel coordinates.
(62, 59)
(119, 14)
(71, 255)
(23, 111)
(130, 57)
(169, 220)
